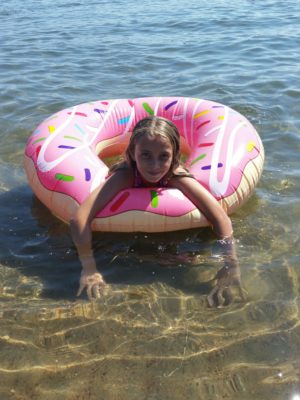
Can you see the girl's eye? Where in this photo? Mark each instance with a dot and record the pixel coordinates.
(145, 155)
(165, 156)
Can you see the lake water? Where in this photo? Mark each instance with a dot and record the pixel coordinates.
(151, 336)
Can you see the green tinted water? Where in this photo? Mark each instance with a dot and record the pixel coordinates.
(151, 336)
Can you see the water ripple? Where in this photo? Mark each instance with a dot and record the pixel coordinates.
(151, 334)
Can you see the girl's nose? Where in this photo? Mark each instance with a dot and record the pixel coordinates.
(155, 163)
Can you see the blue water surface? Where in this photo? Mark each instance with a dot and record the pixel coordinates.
(151, 336)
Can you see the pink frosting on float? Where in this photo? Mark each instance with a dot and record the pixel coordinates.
(61, 156)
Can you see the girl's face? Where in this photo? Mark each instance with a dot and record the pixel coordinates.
(153, 157)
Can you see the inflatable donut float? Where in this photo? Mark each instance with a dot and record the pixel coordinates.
(65, 161)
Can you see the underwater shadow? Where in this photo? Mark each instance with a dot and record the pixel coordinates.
(36, 243)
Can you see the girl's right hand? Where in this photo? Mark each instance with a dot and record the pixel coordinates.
(226, 277)
(93, 283)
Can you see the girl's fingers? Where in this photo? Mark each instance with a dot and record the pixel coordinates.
(89, 292)
(93, 287)
(221, 300)
(210, 297)
(81, 287)
(96, 291)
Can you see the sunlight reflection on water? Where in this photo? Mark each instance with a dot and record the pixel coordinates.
(151, 335)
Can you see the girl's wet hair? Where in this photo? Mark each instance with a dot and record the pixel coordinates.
(155, 126)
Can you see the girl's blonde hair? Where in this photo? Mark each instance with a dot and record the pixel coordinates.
(155, 126)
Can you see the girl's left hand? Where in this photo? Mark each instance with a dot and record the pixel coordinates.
(227, 276)
(93, 283)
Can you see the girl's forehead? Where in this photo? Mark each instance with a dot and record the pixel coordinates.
(153, 139)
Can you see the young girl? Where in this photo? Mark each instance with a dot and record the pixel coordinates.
(152, 159)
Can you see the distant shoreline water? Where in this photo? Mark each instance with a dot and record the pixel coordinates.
(151, 335)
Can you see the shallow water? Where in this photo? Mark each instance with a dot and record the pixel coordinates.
(151, 336)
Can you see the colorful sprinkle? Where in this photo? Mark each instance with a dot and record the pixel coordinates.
(72, 137)
(106, 103)
(251, 146)
(63, 177)
(219, 106)
(80, 129)
(208, 144)
(131, 103)
(37, 151)
(206, 167)
(148, 108)
(87, 173)
(62, 146)
(124, 120)
(201, 113)
(118, 203)
(203, 123)
(81, 114)
(221, 117)
(197, 159)
(99, 111)
(154, 198)
(51, 128)
(171, 105)
(39, 140)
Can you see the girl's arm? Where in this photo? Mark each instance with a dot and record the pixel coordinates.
(222, 226)
(206, 203)
(81, 231)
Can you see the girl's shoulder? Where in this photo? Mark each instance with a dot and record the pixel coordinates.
(122, 171)
(119, 166)
(181, 172)
(178, 175)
